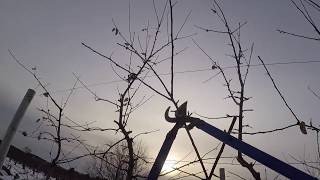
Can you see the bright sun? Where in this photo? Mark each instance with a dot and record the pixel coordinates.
(168, 166)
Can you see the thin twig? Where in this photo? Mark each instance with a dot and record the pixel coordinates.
(276, 87)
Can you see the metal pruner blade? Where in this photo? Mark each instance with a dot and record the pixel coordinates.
(179, 113)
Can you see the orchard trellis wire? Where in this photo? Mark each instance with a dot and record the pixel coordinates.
(291, 62)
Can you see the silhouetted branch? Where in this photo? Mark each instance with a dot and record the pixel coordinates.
(304, 11)
(280, 94)
(298, 35)
(221, 149)
(270, 131)
(172, 46)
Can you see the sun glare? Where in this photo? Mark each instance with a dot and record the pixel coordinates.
(168, 166)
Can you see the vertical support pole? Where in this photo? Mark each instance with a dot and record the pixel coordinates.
(222, 174)
(6, 142)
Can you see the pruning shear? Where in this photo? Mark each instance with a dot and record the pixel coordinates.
(181, 116)
(180, 119)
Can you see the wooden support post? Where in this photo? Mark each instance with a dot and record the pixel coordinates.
(222, 174)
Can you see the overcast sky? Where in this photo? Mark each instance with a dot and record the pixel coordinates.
(48, 35)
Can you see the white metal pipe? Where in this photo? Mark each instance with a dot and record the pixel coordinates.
(6, 142)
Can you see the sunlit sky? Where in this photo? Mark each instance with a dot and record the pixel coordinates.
(48, 35)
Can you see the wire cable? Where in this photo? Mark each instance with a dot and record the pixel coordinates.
(193, 71)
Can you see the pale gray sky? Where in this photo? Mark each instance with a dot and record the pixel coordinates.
(48, 35)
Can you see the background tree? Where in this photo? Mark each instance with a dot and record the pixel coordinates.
(113, 165)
